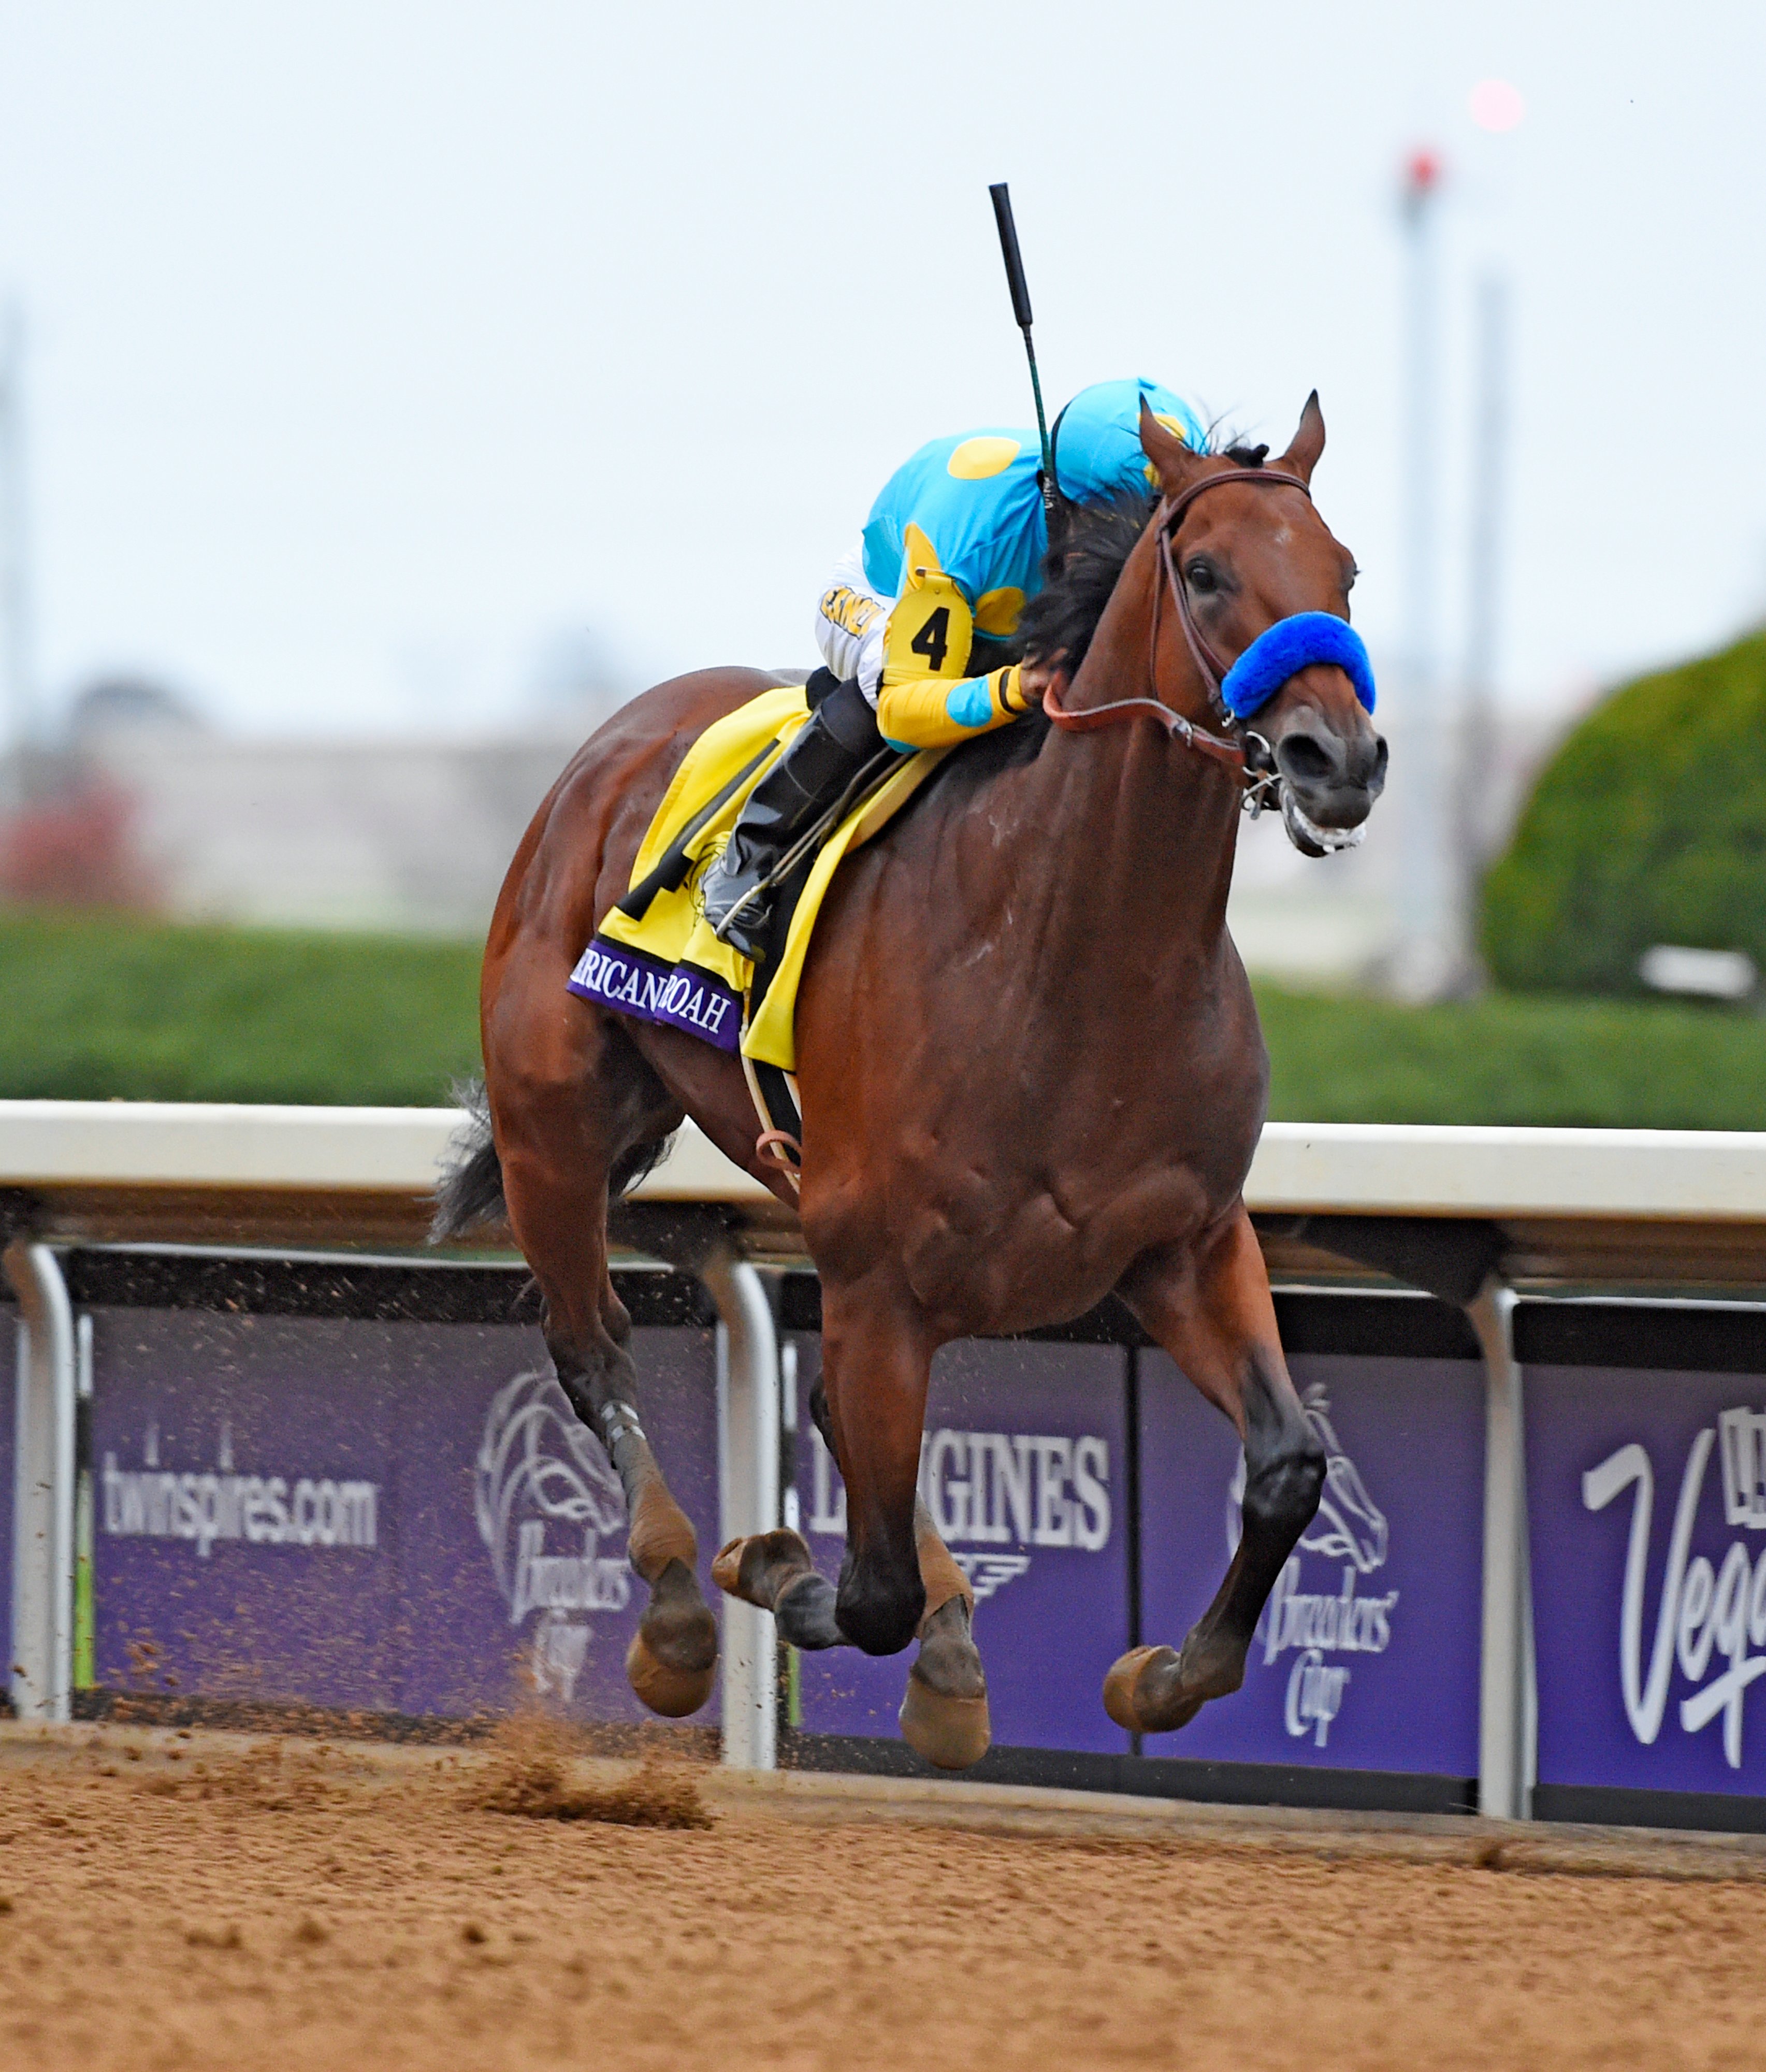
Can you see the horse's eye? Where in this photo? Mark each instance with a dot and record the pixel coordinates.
(1201, 578)
(1348, 581)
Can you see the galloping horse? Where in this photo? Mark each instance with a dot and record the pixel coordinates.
(1031, 1074)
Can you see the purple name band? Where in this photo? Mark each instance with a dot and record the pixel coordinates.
(677, 996)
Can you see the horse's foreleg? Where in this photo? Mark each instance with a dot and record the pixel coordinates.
(777, 1571)
(898, 1580)
(944, 1711)
(1214, 1316)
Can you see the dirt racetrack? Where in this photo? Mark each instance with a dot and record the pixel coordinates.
(177, 1901)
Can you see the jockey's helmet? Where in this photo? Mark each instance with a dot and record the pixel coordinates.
(1096, 439)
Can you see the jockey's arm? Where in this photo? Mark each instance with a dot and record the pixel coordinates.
(909, 657)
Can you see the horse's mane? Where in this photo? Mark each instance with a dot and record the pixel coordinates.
(1085, 559)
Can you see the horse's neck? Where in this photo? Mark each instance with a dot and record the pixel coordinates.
(1138, 831)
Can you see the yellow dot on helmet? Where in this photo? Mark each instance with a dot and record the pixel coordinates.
(1176, 427)
(975, 459)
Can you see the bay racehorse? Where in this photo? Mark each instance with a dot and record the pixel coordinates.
(1030, 1069)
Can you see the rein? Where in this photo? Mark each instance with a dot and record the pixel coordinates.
(1217, 747)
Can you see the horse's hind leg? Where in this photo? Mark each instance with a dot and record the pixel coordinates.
(898, 1580)
(570, 1097)
(1216, 1319)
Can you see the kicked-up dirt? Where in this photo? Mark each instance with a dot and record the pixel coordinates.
(184, 1901)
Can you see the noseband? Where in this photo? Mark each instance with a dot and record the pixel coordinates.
(1257, 782)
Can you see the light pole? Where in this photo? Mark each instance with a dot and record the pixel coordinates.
(1429, 957)
(1476, 746)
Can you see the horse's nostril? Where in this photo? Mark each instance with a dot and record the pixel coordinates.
(1305, 760)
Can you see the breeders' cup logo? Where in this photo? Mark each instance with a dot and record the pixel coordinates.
(1349, 1529)
(542, 1479)
(1710, 1615)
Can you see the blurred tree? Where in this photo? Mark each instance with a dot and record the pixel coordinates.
(1648, 826)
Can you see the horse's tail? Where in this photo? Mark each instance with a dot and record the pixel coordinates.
(636, 1164)
(469, 1194)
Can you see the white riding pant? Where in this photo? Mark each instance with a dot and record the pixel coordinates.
(850, 621)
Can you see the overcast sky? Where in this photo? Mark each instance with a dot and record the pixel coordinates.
(374, 349)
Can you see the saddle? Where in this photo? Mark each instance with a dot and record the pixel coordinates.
(655, 958)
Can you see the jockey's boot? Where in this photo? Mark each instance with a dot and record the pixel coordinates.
(840, 737)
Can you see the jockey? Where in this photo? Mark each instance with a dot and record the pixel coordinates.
(953, 546)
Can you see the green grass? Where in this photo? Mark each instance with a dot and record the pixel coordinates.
(1515, 1058)
(99, 1008)
(109, 1008)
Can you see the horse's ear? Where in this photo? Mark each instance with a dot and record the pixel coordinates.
(1173, 463)
(1308, 443)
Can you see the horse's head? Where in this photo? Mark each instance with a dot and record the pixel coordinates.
(1248, 556)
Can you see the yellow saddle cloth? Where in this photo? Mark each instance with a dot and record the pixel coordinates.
(654, 956)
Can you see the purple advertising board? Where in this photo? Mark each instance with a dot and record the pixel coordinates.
(1366, 1656)
(389, 1516)
(1647, 1511)
(1023, 1467)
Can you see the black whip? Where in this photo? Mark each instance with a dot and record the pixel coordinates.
(1001, 194)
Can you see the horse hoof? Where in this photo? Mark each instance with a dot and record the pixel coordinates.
(673, 1655)
(951, 1733)
(760, 1569)
(727, 1567)
(1134, 1699)
(671, 1691)
(1119, 1685)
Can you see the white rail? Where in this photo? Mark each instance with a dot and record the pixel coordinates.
(1342, 1168)
(1421, 1169)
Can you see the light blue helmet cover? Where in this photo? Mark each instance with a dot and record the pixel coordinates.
(1097, 438)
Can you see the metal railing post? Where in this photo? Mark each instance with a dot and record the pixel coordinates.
(1507, 1696)
(41, 1680)
(748, 1413)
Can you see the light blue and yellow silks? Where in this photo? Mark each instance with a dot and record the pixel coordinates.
(673, 932)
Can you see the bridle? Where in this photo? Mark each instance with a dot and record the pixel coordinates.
(1259, 780)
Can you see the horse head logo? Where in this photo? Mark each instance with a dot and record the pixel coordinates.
(537, 1460)
(1349, 1526)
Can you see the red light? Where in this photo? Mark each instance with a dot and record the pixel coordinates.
(1422, 172)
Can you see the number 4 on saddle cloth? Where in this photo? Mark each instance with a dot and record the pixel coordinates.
(655, 958)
